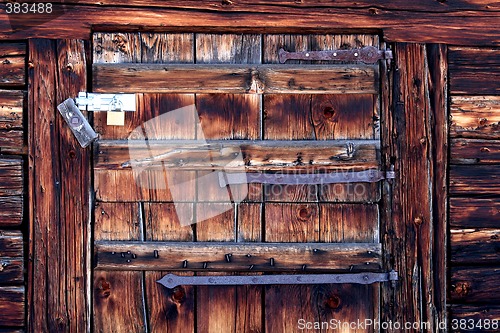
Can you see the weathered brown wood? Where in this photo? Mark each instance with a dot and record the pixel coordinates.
(11, 213)
(12, 270)
(12, 49)
(467, 180)
(11, 330)
(475, 246)
(474, 312)
(228, 49)
(160, 78)
(12, 141)
(116, 293)
(287, 257)
(474, 213)
(475, 151)
(475, 117)
(472, 285)
(11, 109)
(474, 71)
(12, 302)
(399, 23)
(11, 176)
(11, 244)
(12, 71)
(407, 232)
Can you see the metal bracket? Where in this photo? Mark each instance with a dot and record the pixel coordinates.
(172, 280)
(367, 176)
(106, 102)
(367, 55)
(77, 122)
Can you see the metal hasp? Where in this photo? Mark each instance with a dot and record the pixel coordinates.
(367, 55)
(366, 176)
(77, 122)
(172, 280)
(106, 102)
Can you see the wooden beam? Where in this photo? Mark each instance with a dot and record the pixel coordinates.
(474, 213)
(12, 302)
(255, 155)
(400, 21)
(175, 78)
(475, 151)
(473, 285)
(475, 246)
(59, 193)
(466, 180)
(127, 255)
(475, 117)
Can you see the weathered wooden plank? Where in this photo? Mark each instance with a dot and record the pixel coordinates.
(169, 310)
(474, 71)
(475, 117)
(162, 78)
(116, 293)
(11, 243)
(12, 71)
(228, 49)
(11, 270)
(11, 330)
(12, 141)
(474, 213)
(475, 151)
(287, 257)
(11, 213)
(12, 306)
(12, 49)
(466, 180)
(11, 109)
(474, 27)
(473, 285)
(475, 246)
(478, 313)
(11, 176)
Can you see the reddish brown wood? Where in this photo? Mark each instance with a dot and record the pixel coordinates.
(12, 69)
(466, 180)
(475, 151)
(474, 213)
(11, 261)
(474, 312)
(11, 109)
(475, 246)
(12, 303)
(12, 210)
(473, 285)
(475, 117)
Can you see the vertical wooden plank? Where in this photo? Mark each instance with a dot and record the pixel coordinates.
(118, 296)
(406, 230)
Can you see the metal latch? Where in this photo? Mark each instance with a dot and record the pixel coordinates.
(114, 104)
(172, 280)
(367, 55)
(367, 176)
(77, 122)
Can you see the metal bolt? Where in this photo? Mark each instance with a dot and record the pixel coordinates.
(128, 260)
(356, 54)
(335, 54)
(307, 54)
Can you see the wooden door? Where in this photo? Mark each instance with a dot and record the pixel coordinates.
(299, 117)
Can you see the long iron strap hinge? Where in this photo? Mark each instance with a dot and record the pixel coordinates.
(172, 280)
(367, 55)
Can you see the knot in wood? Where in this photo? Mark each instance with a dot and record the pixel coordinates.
(178, 294)
(462, 289)
(304, 213)
(418, 221)
(333, 302)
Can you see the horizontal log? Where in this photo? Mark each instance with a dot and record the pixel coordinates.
(475, 151)
(474, 71)
(458, 27)
(12, 306)
(12, 49)
(255, 155)
(12, 141)
(12, 71)
(466, 180)
(178, 256)
(475, 246)
(11, 109)
(11, 244)
(11, 271)
(474, 213)
(11, 177)
(475, 117)
(474, 285)
(474, 312)
(166, 78)
(11, 213)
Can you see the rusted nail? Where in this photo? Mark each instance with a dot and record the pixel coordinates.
(178, 294)
(155, 254)
(185, 264)
(333, 302)
(228, 257)
(418, 221)
(271, 261)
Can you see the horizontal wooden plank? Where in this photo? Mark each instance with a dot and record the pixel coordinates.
(474, 285)
(475, 151)
(11, 271)
(12, 71)
(175, 78)
(12, 141)
(446, 25)
(474, 213)
(11, 244)
(11, 330)
(12, 49)
(12, 306)
(11, 177)
(475, 117)
(120, 255)
(475, 246)
(255, 155)
(474, 71)
(11, 212)
(468, 180)
(11, 109)
(474, 312)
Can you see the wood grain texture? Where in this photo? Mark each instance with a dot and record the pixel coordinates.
(474, 71)
(12, 71)
(475, 246)
(466, 180)
(12, 141)
(474, 213)
(475, 151)
(12, 303)
(11, 177)
(9, 49)
(474, 312)
(59, 192)
(473, 285)
(11, 261)
(12, 104)
(162, 78)
(475, 117)
(118, 297)
(12, 210)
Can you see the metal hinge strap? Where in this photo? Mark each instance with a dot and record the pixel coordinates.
(367, 55)
(172, 280)
(367, 176)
